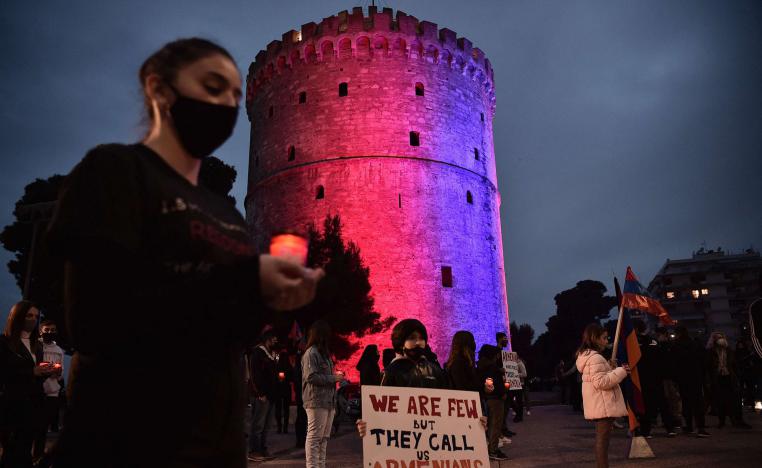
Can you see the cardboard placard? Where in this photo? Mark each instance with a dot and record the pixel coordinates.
(511, 367)
(422, 427)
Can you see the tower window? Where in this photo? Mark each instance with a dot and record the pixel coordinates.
(469, 197)
(419, 89)
(695, 293)
(256, 160)
(670, 294)
(415, 139)
(704, 291)
(482, 116)
(343, 89)
(291, 153)
(320, 193)
(446, 277)
(399, 200)
(476, 153)
(270, 112)
(302, 97)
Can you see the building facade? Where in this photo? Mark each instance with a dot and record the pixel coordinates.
(711, 291)
(386, 121)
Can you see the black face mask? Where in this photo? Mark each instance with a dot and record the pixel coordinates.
(201, 126)
(414, 354)
(48, 337)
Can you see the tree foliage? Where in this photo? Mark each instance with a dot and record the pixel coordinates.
(344, 297)
(218, 177)
(575, 309)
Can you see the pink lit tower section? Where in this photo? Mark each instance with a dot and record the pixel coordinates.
(386, 121)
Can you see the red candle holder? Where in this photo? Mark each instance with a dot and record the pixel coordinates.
(281, 376)
(507, 385)
(290, 247)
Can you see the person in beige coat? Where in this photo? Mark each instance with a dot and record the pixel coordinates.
(601, 396)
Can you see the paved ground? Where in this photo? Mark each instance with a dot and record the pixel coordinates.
(554, 436)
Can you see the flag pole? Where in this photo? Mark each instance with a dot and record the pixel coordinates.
(616, 337)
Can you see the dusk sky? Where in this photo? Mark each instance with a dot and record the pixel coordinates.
(627, 132)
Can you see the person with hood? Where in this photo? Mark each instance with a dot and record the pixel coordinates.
(601, 396)
(410, 367)
(723, 381)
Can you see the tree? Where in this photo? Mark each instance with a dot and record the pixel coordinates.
(344, 296)
(45, 284)
(575, 309)
(217, 177)
(521, 339)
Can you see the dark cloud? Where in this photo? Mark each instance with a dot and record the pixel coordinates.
(626, 132)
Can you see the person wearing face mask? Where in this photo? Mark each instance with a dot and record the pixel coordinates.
(170, 270)
(723, 380)
(410, 368)
(22, 372)
(51, 354)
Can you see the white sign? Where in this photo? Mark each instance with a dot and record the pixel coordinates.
(511, 367)
(422, 427)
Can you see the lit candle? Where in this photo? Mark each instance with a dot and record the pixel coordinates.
(281, 376)
(289, 246)
(507, 385)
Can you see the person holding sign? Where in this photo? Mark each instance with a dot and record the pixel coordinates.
(601, 396)
(410, 368)
(318, 393)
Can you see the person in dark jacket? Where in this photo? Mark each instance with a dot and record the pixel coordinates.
(651, 383)
(370, 373)
(490, 371)
(22, 373)
(264, 373)
(690, 377)
(283, 392)
(410, 367)
(723, 380)
(461, 363)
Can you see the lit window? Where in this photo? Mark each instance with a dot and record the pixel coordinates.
(670, 294)
(447, 277)
(343, 89)
(704, 292)
(415, 139)
(695, 293)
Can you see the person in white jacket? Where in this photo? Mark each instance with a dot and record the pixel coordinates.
(601, 396)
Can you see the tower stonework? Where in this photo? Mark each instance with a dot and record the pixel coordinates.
(386, 121)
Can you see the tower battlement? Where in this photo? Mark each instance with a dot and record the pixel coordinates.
(379, 35)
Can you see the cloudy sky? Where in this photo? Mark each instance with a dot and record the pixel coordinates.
(627, 132)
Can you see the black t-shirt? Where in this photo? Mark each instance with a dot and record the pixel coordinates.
(162, 292)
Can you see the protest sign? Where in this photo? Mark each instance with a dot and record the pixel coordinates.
(511, 367)
(422, 427)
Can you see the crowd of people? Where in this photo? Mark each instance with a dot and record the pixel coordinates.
(681, 380)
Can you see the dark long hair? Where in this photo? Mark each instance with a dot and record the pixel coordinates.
(592, 333)
(464, 346)
(173, 56)
(15, 323)
(369, 357)
(319, 336)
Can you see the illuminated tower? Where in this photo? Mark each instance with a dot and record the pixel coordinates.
(386, 121)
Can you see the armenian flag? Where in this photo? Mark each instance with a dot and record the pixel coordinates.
(636, 297)
(628, 350)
